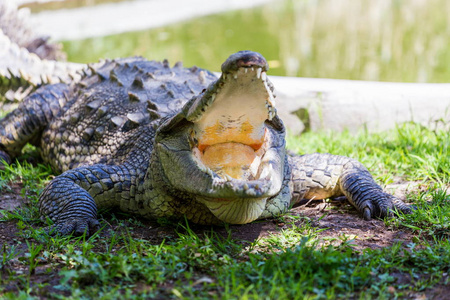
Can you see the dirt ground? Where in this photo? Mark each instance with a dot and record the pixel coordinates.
(343, 219)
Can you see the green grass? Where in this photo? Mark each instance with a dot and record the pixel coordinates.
(293, 263)
(411, 151)
(31, 180)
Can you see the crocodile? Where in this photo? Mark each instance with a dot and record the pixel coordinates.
(15, 23)
(27, 59)
(173, 142)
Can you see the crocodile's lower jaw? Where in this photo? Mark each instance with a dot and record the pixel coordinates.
(236, 211)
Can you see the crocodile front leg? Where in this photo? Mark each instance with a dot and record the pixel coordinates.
(320, 176)
(25, 124)
(72, 198)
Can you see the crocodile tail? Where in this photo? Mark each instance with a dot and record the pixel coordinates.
(27, 61)
(21, 72)
(15, 23)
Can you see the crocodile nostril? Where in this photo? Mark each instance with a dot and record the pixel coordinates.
(244, 59)
(248, 62)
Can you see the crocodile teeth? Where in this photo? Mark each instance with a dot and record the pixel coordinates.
(202, 76)
(209, 172)
(263, 76)
(255, 165)
(271, 99)
(227, 177)
(258, 73)
(272, 115)
(251, 192)
(265, 173)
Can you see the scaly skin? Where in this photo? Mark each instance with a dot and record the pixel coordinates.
(171, 142)
(320, 176)
(15, 24)
(27, 60)
(21, 71)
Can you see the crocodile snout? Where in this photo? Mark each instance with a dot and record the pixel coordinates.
(244, 59)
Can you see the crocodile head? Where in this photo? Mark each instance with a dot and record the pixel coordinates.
(226, 148)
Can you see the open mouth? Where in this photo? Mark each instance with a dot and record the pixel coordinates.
(226, 147)
(229, 138)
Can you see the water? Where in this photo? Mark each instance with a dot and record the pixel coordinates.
(384, 40)
(45, 5)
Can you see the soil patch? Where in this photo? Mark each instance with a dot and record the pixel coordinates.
(338, 220)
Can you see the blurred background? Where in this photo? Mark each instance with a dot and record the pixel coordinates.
(381, 40)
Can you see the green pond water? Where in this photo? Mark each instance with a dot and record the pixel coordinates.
(385, 40)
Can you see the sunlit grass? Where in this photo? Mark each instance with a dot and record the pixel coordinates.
(411, 151)
(386, 40)
(379, 40)
(297, 262)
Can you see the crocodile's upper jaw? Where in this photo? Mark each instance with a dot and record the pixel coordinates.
(229, 142)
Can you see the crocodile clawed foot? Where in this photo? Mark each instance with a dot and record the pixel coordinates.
(367, 214)
(384, 205)
(76, 227)
(402, 206)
